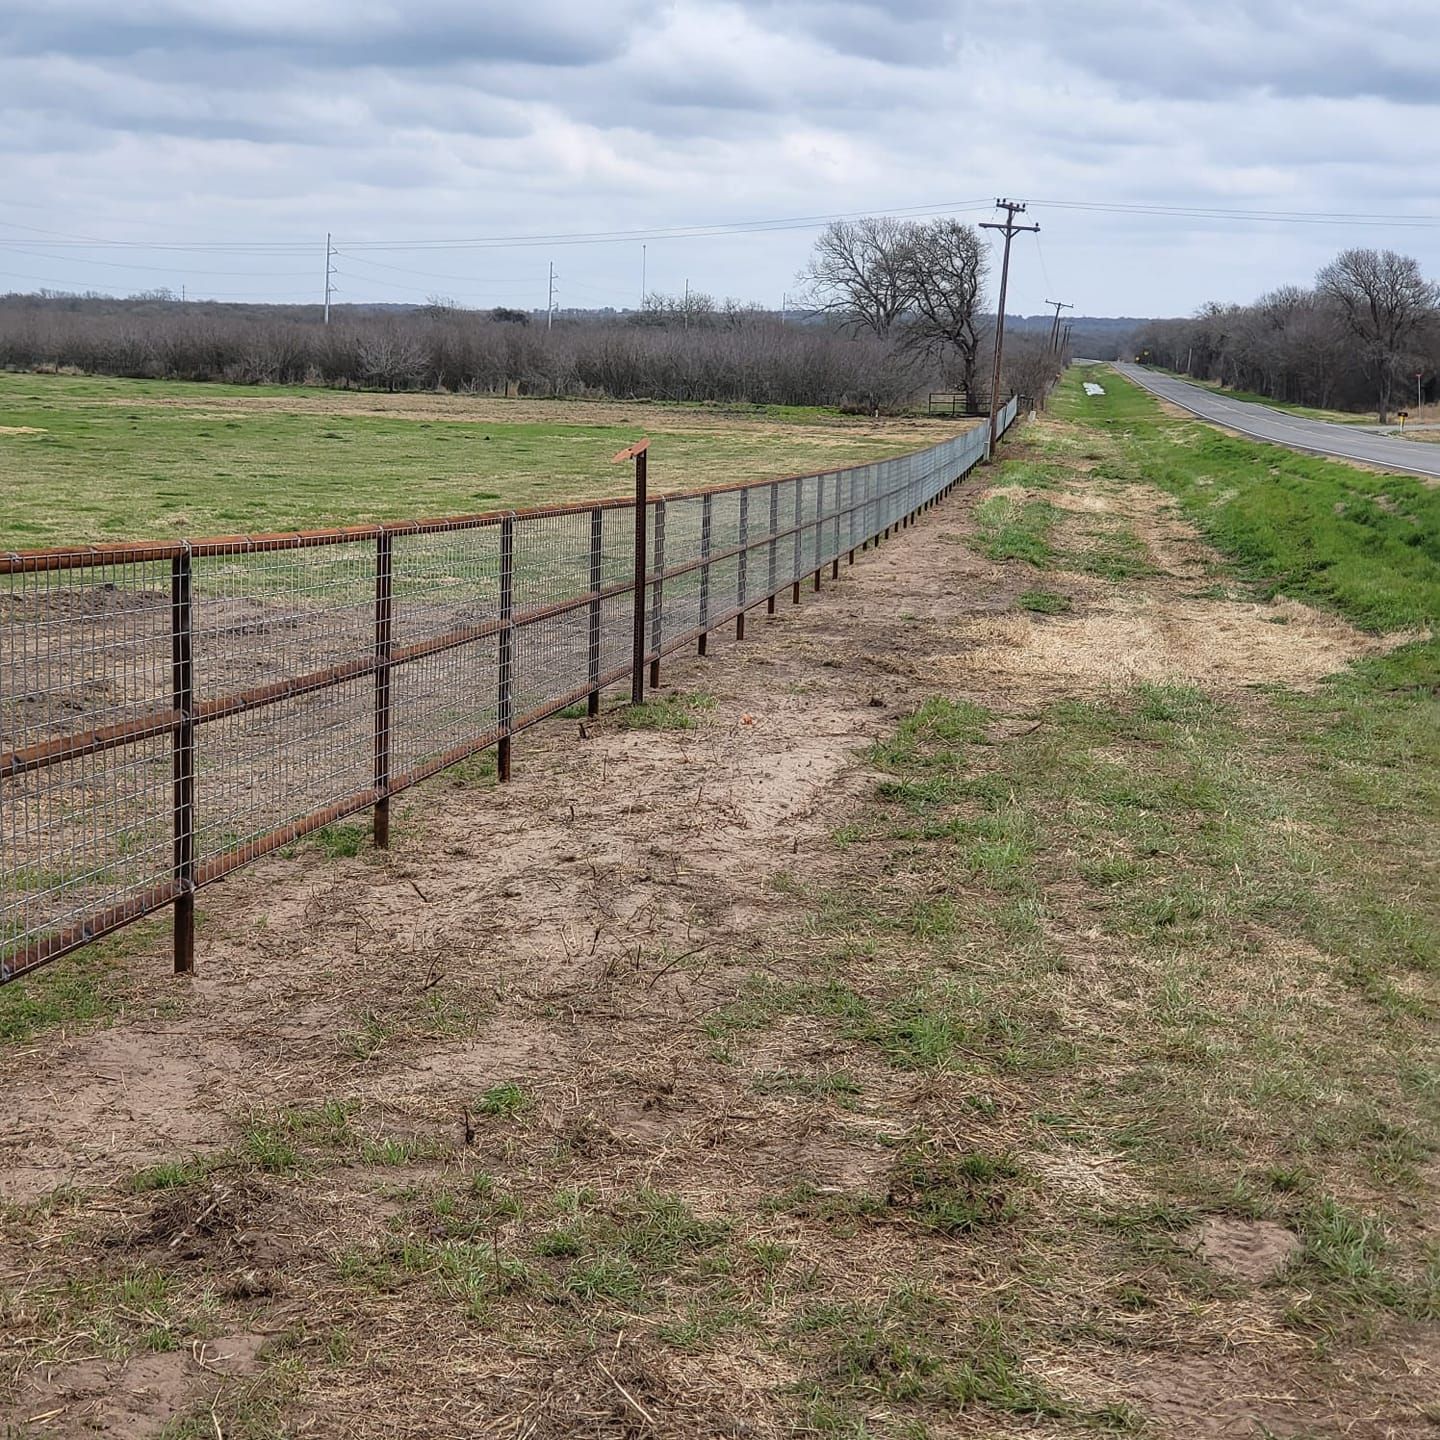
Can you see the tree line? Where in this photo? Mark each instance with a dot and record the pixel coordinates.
(890, 310)
(1356, 339)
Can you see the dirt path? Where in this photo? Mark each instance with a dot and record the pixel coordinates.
(564, 933)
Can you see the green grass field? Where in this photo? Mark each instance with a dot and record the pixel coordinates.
(86, 459)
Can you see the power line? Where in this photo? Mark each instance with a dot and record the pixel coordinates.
(591, 237)
(1225, 212)
(62, 239)
(162, 269)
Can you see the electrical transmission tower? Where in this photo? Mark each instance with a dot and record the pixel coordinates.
(329, 274)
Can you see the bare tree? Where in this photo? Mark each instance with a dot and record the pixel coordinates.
(692, 307)
(858, 273)
(1031, 367)
(1386, 304)
(943, 268)
(392, 358)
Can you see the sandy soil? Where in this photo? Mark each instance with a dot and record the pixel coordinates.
(564, 923)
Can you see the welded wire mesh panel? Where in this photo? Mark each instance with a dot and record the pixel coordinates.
(85, 658)
(265, 616)
(724, 571)
(684, 527)
(550, 663)
(443, 610)
(444, 583)
(262, 770)
(554, 606)
(443, 703)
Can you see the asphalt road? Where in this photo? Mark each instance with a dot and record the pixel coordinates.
(1315, 437)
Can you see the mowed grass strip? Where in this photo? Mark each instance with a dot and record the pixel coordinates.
(1364, 544)
(88, 460)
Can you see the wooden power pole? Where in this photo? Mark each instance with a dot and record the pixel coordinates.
(1009, 229)
(1055, 324)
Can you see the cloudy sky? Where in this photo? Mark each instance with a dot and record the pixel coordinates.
(213, 143)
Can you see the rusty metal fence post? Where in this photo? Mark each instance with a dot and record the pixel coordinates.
(741, 564)
(505, 650)
(597, 522)
(182, 756)
(657, 594)
(706, 507)
(383, 611)
(638, 452)
(799, 542)
(774, 545)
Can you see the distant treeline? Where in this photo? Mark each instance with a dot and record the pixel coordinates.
(726, 354)
(1355, 340)
(744, 357)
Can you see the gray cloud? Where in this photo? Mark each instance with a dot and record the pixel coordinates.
(257, 121)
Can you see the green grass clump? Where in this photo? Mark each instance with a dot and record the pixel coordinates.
(1044, 602)
(503, 1100)
(670, 712)
(1008, 528)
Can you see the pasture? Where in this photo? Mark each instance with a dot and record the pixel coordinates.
(90, 459)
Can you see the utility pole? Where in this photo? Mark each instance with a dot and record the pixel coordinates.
(1055, 324)
(784, 305)
(687, 302)
(1009, 229)
(1065, 343)
(550, 299)
(644, 257)
(329, 271)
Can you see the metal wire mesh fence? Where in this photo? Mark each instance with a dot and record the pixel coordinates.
(170, 712)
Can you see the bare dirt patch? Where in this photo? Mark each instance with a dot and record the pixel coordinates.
(1155, 627)
(137, 1397)
(1250, 1250)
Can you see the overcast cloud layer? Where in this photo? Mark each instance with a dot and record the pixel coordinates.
(271, 122)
